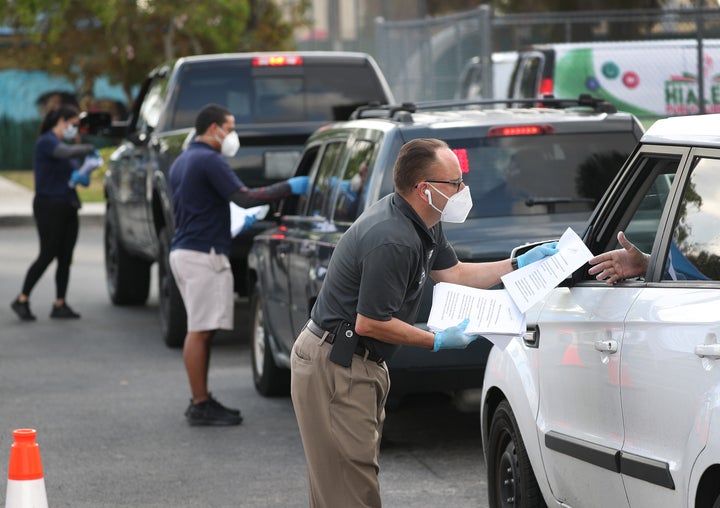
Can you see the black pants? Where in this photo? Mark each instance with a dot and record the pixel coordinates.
(57, 225)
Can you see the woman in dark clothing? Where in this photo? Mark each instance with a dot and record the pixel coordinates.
(55, 206)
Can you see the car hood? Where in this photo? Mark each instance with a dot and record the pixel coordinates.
(493, 238)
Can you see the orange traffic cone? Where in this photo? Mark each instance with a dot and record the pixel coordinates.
(26, 485)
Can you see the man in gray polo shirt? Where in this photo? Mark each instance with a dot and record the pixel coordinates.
(365, 311)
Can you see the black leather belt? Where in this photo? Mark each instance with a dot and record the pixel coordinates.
(360, 350)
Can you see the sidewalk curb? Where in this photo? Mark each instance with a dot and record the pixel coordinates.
(29, 220)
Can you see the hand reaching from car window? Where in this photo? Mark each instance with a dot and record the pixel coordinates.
(619, 264)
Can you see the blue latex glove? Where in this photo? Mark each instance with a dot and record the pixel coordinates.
(298, 184)
(454, 337)
(537, 253)
(78, 178)
(249, 221)
(91, 163)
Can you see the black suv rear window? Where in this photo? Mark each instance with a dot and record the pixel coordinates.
(524, 175)
(317, 92)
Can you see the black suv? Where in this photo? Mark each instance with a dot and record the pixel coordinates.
(532, 172)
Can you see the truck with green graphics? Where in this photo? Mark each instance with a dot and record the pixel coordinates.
(650, 79)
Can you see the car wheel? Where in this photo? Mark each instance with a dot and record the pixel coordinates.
(270, 380)
(511, 481)
(127, 277)
(173, 319)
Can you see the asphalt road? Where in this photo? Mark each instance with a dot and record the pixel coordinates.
(107, 399)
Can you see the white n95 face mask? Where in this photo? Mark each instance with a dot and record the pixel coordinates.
(457, 207)
(230, 144)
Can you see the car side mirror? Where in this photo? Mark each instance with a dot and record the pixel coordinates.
(522, 249)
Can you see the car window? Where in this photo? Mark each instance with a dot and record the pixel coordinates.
(638, 212)
(152, 105)
(304, 168)
(324, 181)
(529, 75)
(527, 175)
(312, 92)
(351, 189)
(694, 251)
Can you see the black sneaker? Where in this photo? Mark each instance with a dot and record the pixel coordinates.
(211, 412)
(22, 309)
(63, 312)
(219, 406)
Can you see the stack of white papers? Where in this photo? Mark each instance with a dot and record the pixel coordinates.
(238, 214)
(494, 312)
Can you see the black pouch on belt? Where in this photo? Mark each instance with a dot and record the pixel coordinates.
(345, 344)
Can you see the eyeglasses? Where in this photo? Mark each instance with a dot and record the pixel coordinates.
(456, 183)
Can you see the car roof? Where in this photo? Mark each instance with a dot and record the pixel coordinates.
(562, 121)
(335, 56)
(643, 44)
(696, 130)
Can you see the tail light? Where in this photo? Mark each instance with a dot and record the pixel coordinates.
(520, 130)
(276, 61)
(546, 87)
(462, 156)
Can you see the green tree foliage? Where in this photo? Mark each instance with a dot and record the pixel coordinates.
(124, 39)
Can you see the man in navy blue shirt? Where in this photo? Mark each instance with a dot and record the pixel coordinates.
(203, 184)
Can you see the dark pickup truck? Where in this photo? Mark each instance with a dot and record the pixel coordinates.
(278, 100)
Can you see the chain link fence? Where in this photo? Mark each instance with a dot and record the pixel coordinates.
(423, 59)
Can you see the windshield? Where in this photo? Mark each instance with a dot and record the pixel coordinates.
(526, 175)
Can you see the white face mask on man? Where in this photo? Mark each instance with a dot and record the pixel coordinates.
(457, 207)
(230, 144)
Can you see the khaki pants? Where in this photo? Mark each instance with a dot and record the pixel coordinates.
(340, 412)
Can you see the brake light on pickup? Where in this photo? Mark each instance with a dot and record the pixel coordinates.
(276, 61)
(520, 130)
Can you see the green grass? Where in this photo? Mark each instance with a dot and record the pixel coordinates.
(91, 194)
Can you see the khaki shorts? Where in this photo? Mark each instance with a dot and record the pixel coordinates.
(205, 282)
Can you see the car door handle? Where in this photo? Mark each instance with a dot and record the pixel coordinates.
(606, 346)
(708, 351)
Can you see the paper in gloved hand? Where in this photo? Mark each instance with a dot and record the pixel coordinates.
(530, 284)
(82, 174)
(491, 311)
(239, 216)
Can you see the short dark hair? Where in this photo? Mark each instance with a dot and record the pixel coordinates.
(210, 114)
(415, 162)
(65, 112)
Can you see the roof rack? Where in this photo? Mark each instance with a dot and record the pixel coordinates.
(401, 111)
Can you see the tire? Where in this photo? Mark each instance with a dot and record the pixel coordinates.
(127, 277)
(270, 380)
(173, 318)
(511, 481)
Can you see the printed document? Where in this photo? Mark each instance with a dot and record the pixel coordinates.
(490, 311)
(529, 284)
(498, 314)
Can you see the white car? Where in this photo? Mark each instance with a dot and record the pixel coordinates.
(612, 397)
